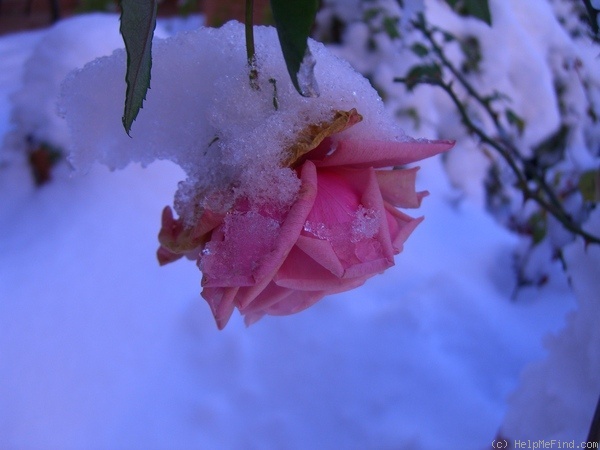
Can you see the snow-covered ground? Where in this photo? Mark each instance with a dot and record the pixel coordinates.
(101, 348)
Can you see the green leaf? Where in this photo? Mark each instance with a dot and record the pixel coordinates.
(448, 37)
(589, 185)
(422, 74)
(479, 9)
(294, 20)
(390, 25)
(419, 49)
(138, 20)
(538, 226)
(471, 50)
(370, 14)
(552, 149)
(515, 120)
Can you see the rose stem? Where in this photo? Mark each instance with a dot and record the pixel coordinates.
(250, 44)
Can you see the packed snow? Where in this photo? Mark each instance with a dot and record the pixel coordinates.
(102, 348)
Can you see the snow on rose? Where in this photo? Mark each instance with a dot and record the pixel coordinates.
(286, 199)
(342, 229)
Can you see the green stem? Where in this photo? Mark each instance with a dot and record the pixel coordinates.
(250, 52)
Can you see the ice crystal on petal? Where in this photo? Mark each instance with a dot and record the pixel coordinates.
(235, 256)
(365, 224)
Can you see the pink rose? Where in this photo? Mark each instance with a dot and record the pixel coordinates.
(342, 229)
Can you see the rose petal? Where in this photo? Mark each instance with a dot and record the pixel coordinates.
(288, 234)
(321, 252)
(372, 199)
(301, 272)
(237, 248)
(401, 226)
(268, 297)
(369, 153)
(398, 187)
(300, 300)
(177, 239)
(166, 256)
(295, 302)
(337, 199)
(221, 302)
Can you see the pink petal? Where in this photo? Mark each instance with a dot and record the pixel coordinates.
(221, 302)
(371, 198)
(368, 269)
(398, 187)
(295, 302)
(237, 248)
(362, 248)
(252, 317)
(401, 226)
(166, 256)
(369, 153)
(302, 273)
(178, 240)
(268, 297)
(322, 252)
(288, 234)
(337, 198)
(362, 244)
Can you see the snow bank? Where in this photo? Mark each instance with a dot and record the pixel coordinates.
(557, 397)
(34, 112)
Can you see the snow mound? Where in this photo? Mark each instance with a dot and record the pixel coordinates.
(34, 113)
(557, 396)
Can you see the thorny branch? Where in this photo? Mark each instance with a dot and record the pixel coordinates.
(524, 170)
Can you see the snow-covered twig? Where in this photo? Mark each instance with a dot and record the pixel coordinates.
(524, 170)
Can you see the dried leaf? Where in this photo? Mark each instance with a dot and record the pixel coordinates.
(311, 136)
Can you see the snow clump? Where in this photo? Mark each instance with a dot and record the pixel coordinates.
(202, 113)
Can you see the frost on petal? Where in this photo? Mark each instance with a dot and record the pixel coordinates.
(245, 239)
(254, 276)
(349, 214)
